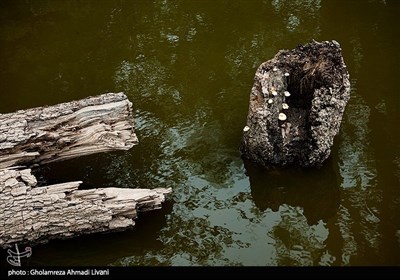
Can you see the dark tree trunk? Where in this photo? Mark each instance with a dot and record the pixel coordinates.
(296, 106)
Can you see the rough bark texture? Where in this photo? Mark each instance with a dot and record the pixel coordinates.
(317, 80)
(31, 214)
(42, 135)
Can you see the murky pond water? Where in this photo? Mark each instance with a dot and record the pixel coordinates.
(188, 68)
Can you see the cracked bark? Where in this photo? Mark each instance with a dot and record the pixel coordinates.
(34, 214)
(46, 134)
(296, 106)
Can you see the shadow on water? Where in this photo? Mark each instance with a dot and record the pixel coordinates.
(315, 190)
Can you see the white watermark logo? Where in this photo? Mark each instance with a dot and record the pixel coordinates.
(14, 257)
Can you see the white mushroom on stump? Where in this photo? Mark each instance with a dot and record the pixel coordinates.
(282, 117)
(285, 94)
(264, 90)
(287, 77)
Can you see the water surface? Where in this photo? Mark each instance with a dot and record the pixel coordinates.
(188, 68)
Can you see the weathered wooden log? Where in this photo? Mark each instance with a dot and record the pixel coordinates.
(32, 215)
(46, 134)
(296, 106)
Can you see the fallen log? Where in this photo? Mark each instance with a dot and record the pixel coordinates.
(46, 134)
(30, 214)
(296, 106)
(34, 214)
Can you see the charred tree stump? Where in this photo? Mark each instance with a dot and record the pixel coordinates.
(34, 214)
(46, 134)
(30, 214)
(296, 106)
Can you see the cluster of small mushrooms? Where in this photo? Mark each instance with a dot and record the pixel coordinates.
(285, 106)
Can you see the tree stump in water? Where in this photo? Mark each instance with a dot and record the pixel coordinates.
(296, 106)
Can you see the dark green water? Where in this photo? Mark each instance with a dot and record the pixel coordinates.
(188, 68)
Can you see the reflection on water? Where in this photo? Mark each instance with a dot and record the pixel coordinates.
(293, 14)
(305, 201)
(355, 152)
(296, 243)
(357, 168)
(315, 191)
(188, 68)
